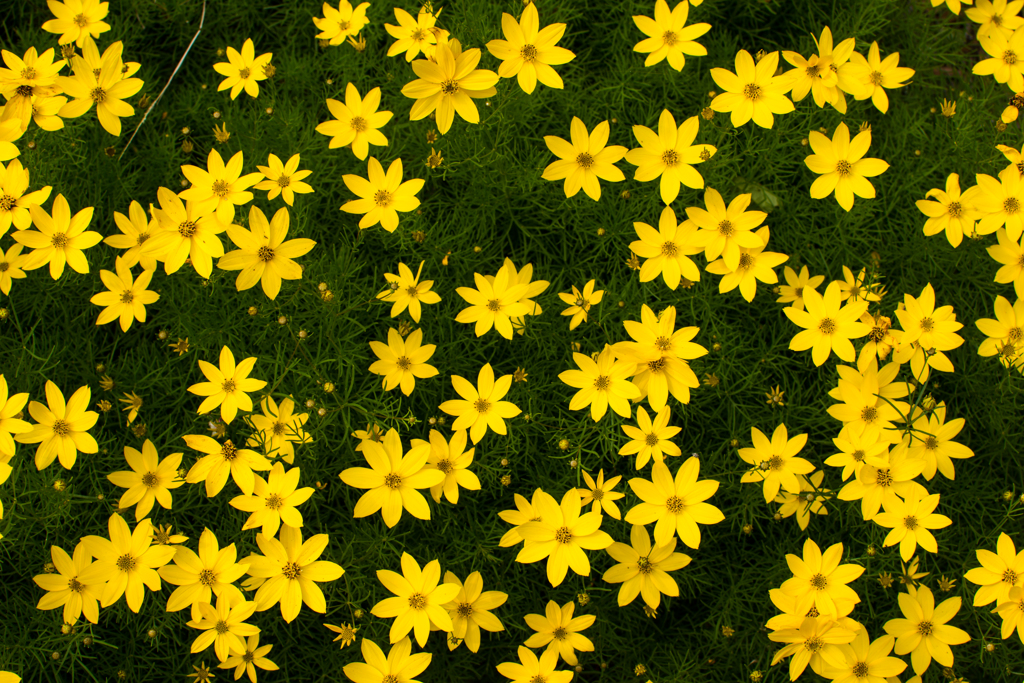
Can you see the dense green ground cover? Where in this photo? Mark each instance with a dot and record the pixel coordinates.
(489, 194)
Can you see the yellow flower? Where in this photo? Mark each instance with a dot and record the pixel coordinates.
(643, 570)
(828, 325)
(952, 212)
(586, 159)
(127, 297)
(1000, 572)
(448, 85)
(819, 75)
(356, 122)
(651, 439)
(392, 479)
(931, 442)
(29, 81)
(220, 461)
(289, 570)
(808, 501)
(413, 35)
(243, 70)
(185, 233)
(580, 302)
(339, 24)
(127, 562)
(853, 289)
(602, 383)
(61, 238)
(10, 405)
(882, 483)
(283, 179)
(911, 520)
(278, 428)
(77, 20)
(407, 291)
(150, 479)
(401, 361)
(996, 16)
(793, 291)
(382, 196)
(528, 51)
(526, 511)
(262, 255)
(866, 661)
(924, 633)
(14, 202)
(859, 444)
(481, 406)
(274, 501)
(227, 385)
(953, 5)
(136, 229)
(107, 89)
(677, 505)
(815, 641)
(533, 289)
(220, 187)
(930, 328)
(451, 458)
(668, 35)
(1012, 612)
(753, 92)
(67, 589)
(600, 494)
(533, 668)
(842, 167)
(820, 576)
(774, 461)
(1005, 63)
(253, 656)
(469, 610)
(869, 78)
(1010, 253)
(198, 577)
(725, 230)
(62, 428)
(867, 398)
(346, 634)
(418, 599)
(398, 664)
(224, 627)
(560, 631)
(561, 536)
(667, 250)
(670, 154)
(11, 265)
(1000, 203)
(754, 264)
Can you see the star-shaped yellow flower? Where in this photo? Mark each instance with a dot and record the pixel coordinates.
(262, 255)
(227, 385)
(842, 167)
(243, 70)
(670, 155)
(481, 407)
(528, 51)
(669, 36)
(585, 160)
(449, 84)
(61, 238)
(356, 122)
(382, 196)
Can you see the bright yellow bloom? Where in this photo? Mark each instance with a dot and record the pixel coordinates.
(14, 202)
(999, 573)
(864, 661)
(669, 36)
(600, 494)
(670, 154)
(911, 520)
(828, 325)
(392, 479)
(62, 429)
(402, 361)
(724, 231)
(136, 228)
(346, 634)
(11, 265)
(10, 405)
(868, 398)
(859, 444)
(150, 479)
(753, 92)
(61, 238)
(667, 250)
(262, 255)
(810, 499)
(952, 212)
(399, 664)
(448, 85)
(220, 461)
(9, 132)
(227, 385)
(127, 297)
(413, 35)
(198, 577)
(953, 5)
(534, 288)
(931, 442)
(406, 291)
(997, 16)
(185, 233)
(253, 656)
(67, 589)
(932, 329)
(469, 610)
(1010, 253)
(274, 500)
(586, 159)
(1012, 612)
(278, 429)
(27, 81)
(852, 288)
(821, 576)
(560, 631)
(338, 24)
(356, 122)
(881, 482)
(224, 627)
(651, 439)
(528, 51)
(580, 302)
(452, 458)
(481, 406)
(382, 196)
(1001, 203)
(417, 603)
(774, 461)
(924, 633)
(526, 511)
(643, 570)
(220, 187)
(842, 167)
(677, 505)
(754, 264)
(289, 570)
(127, 562)
(1005, 63)
(243, 70)
(283, 179)
(869, 78)
(494, 303)
(815, 641)
(819, 75)
(77, 20)
(561, 536)
(533, 668)
(793, 291)
(107, 89)
(602, 383)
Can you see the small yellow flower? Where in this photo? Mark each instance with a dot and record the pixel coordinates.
(341, 23)
(221, 135)
(600, 494)
(670, 155)
(753, 92)
(667, 250)
(418, 596)
(283, 179)
(414, 35)
(842, 167)
(402, 361)
(126, 299)
(227, 386)
(346, 634)
(668, 36)
(775, 397)
(382, 196)
(528, 51)
(61, 430)
(580, 302)
(61, 238)
(560, 631)
(435, 159)
(243, 70)
(481, 407)
(406, 291)
(263, 256)
(586, 159)
(356, 122)
(869, 78)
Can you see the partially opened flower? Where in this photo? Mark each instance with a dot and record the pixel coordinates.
(580, 302)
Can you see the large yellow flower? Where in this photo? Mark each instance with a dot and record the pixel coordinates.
(481, 406)
(448, 85)
(219, 187)
(65, 588)
(494, 303)
(356, 122)
(753, 92)
(754, 264)
(560, 631)
(62, 429)
(77, 20)
(149, 480)
(183, 232)
(470, 610)
(1005, 63)
(821, 576)
(274, 500)
(418, 599)
(828, 326)
(774, 461)
(243, 70)
(670, 155)
(677, 505)
(382, 196)
(227, 385)
(602, 383)
(725, 230)
(61, 239)
(911, 520)
(668, 36)
(667, 250)
(643, 569)
(586, 159)
(528, 51)
(842, 167)
(924, 633)
(950, 211)
(1000, 572)
(262, 255)
(127, 562)
(126, 298)
(107, 89)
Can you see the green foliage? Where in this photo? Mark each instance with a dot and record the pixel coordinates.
(489, 194)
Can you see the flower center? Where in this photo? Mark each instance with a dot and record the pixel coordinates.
(931, 443)
(674, 505)
(704, 154)
(925, 628)
(875, 78)
(446, 466)
(955, 209)
(670, 38)
(125, 563)
(827, 326)
(221, 188)
(417, 601)
(814, 644)
(651, 440)
(663, 344)
(1011, 205)
(248, 657)
(127, 296)
(746, 261)
(418, 35)
(656, 366)
(284, 181)
(1010, 577)
(1010, 57)
(910, 521)
(207, 578)
(644, 565)
(228, 451)
(222, 627)
(560, 633)
(481, 406)
(752, 91)
(358, 124)
(1015, 334)
(449, 87)
(528, 53)
(670, 157)
(860, 670)
(274, 502)
(382, 198)
(98, 95)
(61, 427)
(265, 254)
(775, 463)
(819, 582)
(563, 535)
(4, 265)
(291, 570)
(28, 73)
(403, 363)
(602, 383)
(493, 305)
(858, 455)
(464, 609)
(150, 480)
(7, 202)
(59, 240)
(927, 324)
(869, 414)
(669, 249)
(81, 21)
(584, 160)
(393, 481)
(812, 70)
(597, 494)
(74, 585)
(228, 386)
(726, 229)
(187, 229)
(843, 167)
(244, 73)
(883, 478)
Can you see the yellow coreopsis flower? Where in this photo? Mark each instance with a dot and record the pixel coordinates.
(869, 78)
(10, 406)
(670, 155)
(27, 81)
(586, 159)
(859, 444)
(865, 660)
(753, 92)
(774, 461)
(602, 383)
(199, 577)
(127, 297)
(528, 51)
(643, 569)
(402, 361)
(127, 562)
(932, 329)
(448, 85)
(792, 292)
(911, 520)
(262, 255)
(951, 211)
(243, 70)
(220, 461)
(821, 576)
(470, 610)
(526, 511)
(11, 267)
(278, 429)
(77, 20)
(417, 603)
(187, 232)
(283, 179)
(669, 36)
(1001, 203)
(651, 439)
(393, 480)
(828, 325)
(382, 196)
(406, 291)
(1006, 61)
(62, 428)
(533, 289)
(452, 458)
(531, 668)
(66, 588)
(600, 494)
(561, 536)
(356, 122)
(819, 74)
(136, 228)
(580, 302)
(220, 187)
(224, 626)
(338, 24)
(852, 288)
(61, 238)
(346, 634)
(1000, 572)
(398, 664)
(997, 16)
(227, 385)
(14, 201)
(560, 631)
(288, 571)
(149, 480)
(413, 35)
(725, 230)
(667, 250)
(107, 89)
(1010, 253)
(924, 633)
(931, 442)
(274, 500)
(809, 501)
(481, 406)
(676, 504)
(9, 132)
(842, 167)
(754, 264)
(254, 656)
